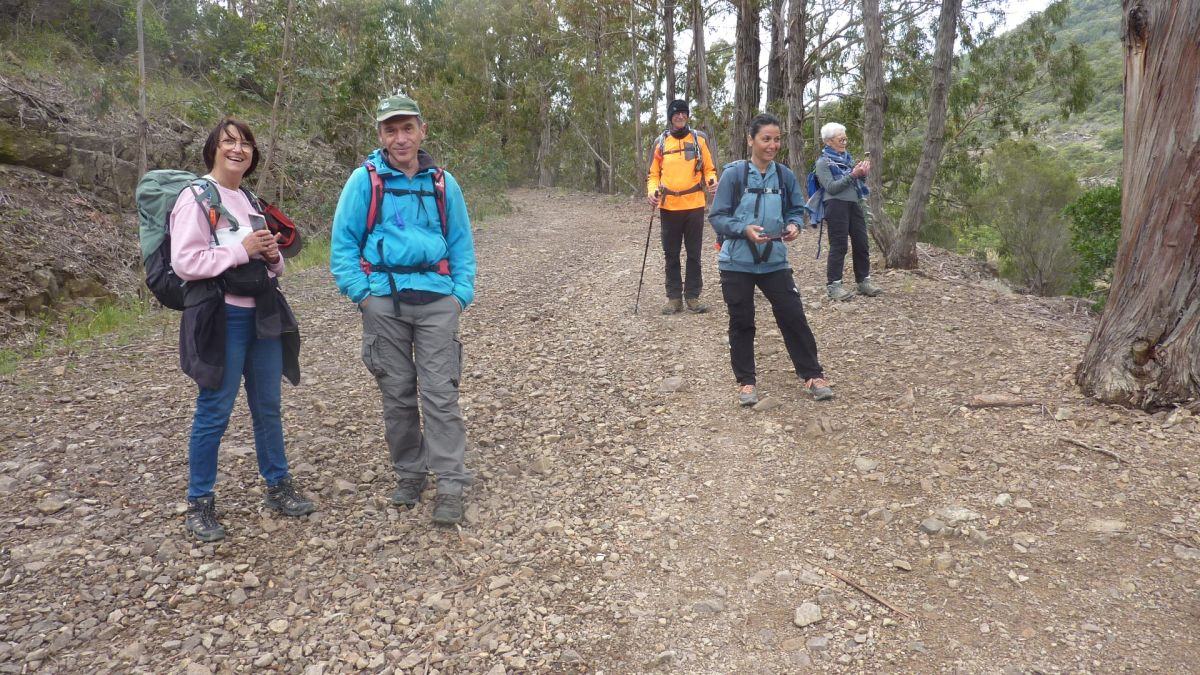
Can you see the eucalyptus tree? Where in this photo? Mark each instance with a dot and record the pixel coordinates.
(1145, 350)
(746, 80)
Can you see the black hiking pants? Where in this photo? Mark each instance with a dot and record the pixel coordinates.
(780, 290)
(845, 219)
(686, 228)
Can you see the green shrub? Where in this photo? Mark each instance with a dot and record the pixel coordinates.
(1025, 190)
(1095, 233)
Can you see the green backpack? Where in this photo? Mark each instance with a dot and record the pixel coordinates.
(156, 194)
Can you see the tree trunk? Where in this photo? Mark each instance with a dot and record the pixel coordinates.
(746, 81)
(902, 252)
(282, 158)
(797, 81)
(143, 124)
(636, 95)
(816, 79)
(702, 113)
(883, 230)
(669, 48)
(545, 143)
(776, 63)
(285, 63)
(1145, 350)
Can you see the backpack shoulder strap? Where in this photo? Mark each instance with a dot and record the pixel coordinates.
(439, 196)
(205, 191)
(376, 197)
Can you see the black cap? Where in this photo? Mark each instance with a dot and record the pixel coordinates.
(677, 106)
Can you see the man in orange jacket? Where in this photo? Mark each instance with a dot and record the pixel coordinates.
(681, 171)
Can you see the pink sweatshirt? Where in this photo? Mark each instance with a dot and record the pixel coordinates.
(194, 254)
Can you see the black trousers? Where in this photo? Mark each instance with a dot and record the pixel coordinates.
(686, 228)
(780, 289)
(846, 218)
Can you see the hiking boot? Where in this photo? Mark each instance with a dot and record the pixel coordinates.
(839, 293)
(408, 491)
(819, 389)
(748, 395)
(869, 289)
(673, 306)
(284, 498)
(695, 306)
(447, 509)
(201, 519)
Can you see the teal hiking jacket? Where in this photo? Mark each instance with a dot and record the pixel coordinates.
(731, 213)
(409, 234)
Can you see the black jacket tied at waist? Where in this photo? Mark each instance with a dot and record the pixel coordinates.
(202, 335)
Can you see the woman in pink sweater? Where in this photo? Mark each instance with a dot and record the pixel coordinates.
(210, 243)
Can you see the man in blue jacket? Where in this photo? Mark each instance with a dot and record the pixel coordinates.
(402, 250)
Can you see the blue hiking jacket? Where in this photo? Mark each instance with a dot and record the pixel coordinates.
(410, 231)
(765, 210)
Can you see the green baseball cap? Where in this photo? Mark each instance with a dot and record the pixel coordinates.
(395, 106)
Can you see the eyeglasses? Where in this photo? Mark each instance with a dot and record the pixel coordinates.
(231, 143)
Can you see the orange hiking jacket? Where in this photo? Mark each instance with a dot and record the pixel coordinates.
(681, 167)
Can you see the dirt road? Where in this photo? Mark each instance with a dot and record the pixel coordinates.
(627, 515)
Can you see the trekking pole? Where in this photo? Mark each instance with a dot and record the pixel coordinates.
(820, 231)
(645, 254)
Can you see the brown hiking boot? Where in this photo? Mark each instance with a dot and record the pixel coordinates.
(695, 306)
(673, 306)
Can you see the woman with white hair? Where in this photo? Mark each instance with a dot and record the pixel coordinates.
(845, 190)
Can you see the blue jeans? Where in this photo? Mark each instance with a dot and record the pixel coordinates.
(261, 362)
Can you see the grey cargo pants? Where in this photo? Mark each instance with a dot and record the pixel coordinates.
(418, 352)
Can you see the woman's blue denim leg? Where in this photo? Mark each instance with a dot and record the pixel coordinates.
(213, 406)
(264, 372)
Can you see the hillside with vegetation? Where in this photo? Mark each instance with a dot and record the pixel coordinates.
(1090, 140)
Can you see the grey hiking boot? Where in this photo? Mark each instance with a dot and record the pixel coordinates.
(201, 519)
(819, 389)
(673, 306)
(408, 491)
(284, 498)
(868, 288)
(695, 306)
(839, 293)
(447, 509)
(748, 395)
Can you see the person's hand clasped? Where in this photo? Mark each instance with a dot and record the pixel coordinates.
(260, 242)
(652, 199)
(711, 187)
(271, 254)
(861, 169)
(754, 233)
(790, 232)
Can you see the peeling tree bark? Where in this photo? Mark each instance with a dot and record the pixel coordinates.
(1145, 351)
(902, 251)
(702, 113)
(669, 48)
(746, 80)
(798, 76)
(883, 230)
(776, 63)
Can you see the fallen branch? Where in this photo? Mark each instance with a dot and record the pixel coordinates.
(999, 401)
(1094, 448)
(1179, 540)
(859, 587)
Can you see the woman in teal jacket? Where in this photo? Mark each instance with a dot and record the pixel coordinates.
(757, 210)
